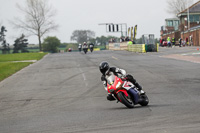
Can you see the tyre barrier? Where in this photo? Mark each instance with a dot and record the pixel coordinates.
(140, 48)
(96, 49)
(143, 48)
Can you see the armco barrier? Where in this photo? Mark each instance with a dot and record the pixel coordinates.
(140, 48)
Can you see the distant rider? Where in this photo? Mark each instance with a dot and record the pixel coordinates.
(91, 45)
(85, 45)
(105, 69)
(79, 47)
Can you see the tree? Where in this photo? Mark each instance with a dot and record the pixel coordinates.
(20, 44)
(139, 40)
(81, 36)
(6, 48)
(38, 18)
(51, 44)
(102, 40)
(177, 6)
(105, 40)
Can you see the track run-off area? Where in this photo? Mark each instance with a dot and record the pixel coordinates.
(63, 93)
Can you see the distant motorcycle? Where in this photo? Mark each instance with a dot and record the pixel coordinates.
(79, 47)
(91, 48)
(125, 92)
(70, 50)
(85, 49)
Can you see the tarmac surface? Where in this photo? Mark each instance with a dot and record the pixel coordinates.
(62, 93)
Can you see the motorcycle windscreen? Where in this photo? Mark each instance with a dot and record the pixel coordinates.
(110, 78)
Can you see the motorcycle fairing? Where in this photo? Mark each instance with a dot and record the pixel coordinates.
(134, 94)
(128, 85)
(112, 85)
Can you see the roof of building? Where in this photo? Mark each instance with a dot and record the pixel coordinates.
(195, 8)
(192, 29)
(171, 19)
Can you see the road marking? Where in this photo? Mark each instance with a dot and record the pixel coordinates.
(84, 78)
(191, 54)
(114, 58)
(192, 59)
(83, 75)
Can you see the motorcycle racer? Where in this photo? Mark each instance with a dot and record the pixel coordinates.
(79, 47)
(105, 69)
(91, 45)
(85, 45)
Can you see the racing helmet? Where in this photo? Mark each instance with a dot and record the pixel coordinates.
(104, 67)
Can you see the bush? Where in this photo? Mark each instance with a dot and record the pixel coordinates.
(51, 44)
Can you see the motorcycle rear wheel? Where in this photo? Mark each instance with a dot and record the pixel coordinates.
(127, 101)
(145, 100)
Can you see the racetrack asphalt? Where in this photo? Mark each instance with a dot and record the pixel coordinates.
(63, 93)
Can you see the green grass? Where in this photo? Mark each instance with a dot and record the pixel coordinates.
(7, 67)
(21, 56)
(61, 48)
(101, 46)
(33, 50)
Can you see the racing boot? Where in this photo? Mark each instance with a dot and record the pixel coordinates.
(110, 97)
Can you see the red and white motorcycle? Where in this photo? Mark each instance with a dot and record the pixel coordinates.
(125, 92)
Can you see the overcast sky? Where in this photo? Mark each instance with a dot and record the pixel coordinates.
(72, 15)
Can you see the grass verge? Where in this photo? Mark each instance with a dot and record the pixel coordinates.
(21, 56)
(7, 67)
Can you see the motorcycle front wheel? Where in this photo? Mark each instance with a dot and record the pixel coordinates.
(127, 101)
(85, 51)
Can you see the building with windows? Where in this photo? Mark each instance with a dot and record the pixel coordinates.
(172, 23)
(187, 29)
(171, 28)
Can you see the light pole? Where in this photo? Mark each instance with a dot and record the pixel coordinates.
(188, 15)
